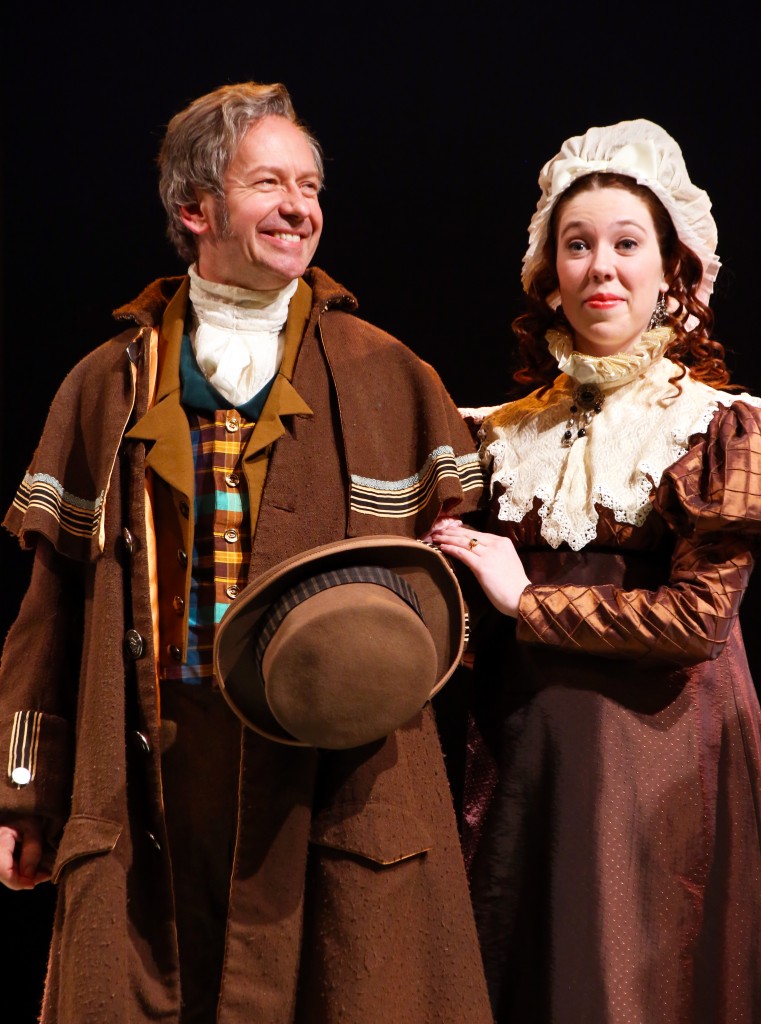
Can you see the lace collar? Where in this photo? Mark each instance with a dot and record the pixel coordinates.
(644, 426)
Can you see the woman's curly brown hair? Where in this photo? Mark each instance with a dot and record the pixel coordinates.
(693, 349)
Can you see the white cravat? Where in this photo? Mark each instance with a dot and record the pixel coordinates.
(237, 335)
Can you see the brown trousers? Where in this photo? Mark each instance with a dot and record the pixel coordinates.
(200, 770)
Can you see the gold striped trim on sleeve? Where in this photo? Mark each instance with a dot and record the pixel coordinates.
(25, 741)
(400, 498)
(78, 516)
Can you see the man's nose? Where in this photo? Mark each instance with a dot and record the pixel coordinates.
(294, 203)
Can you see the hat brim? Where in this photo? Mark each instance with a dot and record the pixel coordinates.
(423, 567)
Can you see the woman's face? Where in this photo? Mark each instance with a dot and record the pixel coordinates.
(609, 269)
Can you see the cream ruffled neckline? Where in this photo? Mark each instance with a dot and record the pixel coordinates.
(613, 370)
(644, 426)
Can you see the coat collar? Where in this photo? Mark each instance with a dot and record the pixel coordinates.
(165, 423)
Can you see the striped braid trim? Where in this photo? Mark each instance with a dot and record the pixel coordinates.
(25, 741)
(400, 498)
(77, 516)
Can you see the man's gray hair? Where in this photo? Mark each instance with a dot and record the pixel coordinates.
(201, 141)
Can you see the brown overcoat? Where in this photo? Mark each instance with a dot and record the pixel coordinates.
(348, 900)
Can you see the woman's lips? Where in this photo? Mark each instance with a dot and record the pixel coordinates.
(603, 301)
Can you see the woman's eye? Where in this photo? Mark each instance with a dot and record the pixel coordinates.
(627, 244)
(576, 245)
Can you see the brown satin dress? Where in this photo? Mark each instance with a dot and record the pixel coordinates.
(612, 816)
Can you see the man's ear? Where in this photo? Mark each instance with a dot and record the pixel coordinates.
(198, 215)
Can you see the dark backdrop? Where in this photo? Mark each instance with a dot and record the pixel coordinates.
(435, 120)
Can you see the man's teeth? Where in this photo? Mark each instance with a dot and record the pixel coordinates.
(286, 236)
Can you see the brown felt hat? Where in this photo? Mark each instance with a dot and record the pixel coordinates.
(342, 644)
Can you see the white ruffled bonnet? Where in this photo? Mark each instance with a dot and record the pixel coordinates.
(641, 150)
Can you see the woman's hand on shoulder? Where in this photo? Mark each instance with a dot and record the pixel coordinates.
(493, 560)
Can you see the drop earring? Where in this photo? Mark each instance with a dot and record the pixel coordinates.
(660, 313)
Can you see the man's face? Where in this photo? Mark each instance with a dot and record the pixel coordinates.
(274, 220)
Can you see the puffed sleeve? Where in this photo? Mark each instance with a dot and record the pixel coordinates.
(711, 498)
(717, 484)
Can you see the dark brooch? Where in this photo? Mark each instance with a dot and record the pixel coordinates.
(587, 403)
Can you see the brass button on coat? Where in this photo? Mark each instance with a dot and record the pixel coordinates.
(174, 652)
(182, 557)
(128, 540)
(134, 643)
(184, 509)
(178, 604)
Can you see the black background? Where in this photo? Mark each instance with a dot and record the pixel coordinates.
(435, 120)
